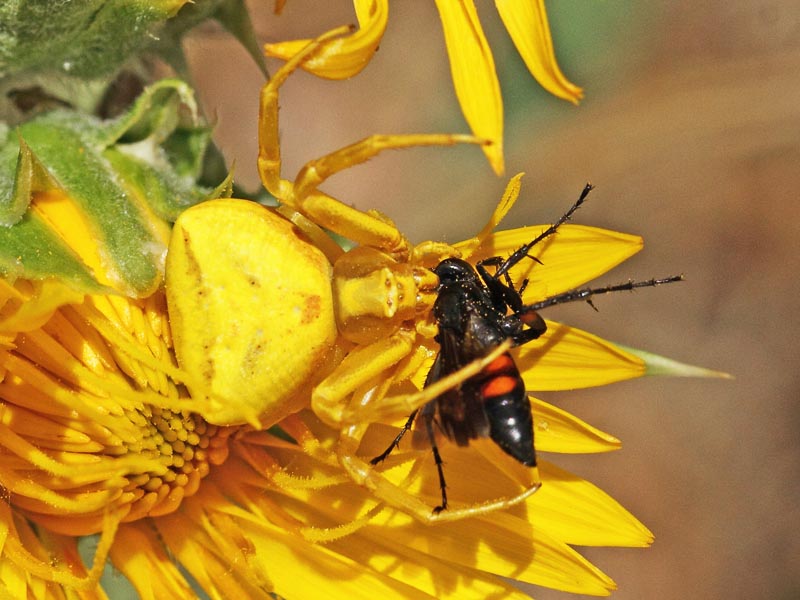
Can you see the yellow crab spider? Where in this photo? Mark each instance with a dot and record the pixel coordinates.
(257, 303)
(267, 311)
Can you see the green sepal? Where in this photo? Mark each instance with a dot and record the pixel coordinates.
(80, 170)
(31, 250)
(159, 188)
(234, 17)
(231, 14)
(159, 110)
(129, 177)
(663, 366)
(16, 181)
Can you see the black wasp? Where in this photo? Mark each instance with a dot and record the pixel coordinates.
(476, 311)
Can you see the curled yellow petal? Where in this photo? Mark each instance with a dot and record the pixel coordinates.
(508, 200)
(526, 22)
(474, 77)
(346, 56)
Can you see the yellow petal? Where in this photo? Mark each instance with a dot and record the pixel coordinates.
(430, 572)
(301, 570)
(499, 544)
(37, 563)
(347, 56)
(296, 568)
(503, 545)
(508, 200)
(28, 304)
(566, 358)
(61, 213)
(474, 77)
(47, 432)
(526, 22)
(223, 571)
(571, 257)
(578, 512)
(149, 568)
(559, 431)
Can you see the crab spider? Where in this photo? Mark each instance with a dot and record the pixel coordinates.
(281, 304)
(267, 311)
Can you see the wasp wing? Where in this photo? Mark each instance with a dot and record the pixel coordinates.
(460, 412)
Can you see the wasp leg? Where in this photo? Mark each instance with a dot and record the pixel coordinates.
(396, 441)
(512, 325)
(503, 294)
(396, 496)
(427, 417)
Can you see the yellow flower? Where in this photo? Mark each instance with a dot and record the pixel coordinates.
(106, 428)
(95, 437)
(471, 61)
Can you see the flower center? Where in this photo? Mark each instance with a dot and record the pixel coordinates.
(88, 421)
(185, 445)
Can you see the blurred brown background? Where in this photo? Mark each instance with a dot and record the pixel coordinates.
(691, 131)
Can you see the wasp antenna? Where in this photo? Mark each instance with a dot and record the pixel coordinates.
(522, 252)
(587, 293)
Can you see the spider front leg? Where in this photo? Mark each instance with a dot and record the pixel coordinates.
(302, 195)
(396, 495)
(284, 480)
(355, 392)
(361, 368)
(352, 418)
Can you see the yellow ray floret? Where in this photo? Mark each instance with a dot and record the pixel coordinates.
(474, 77)
(526, 22)
(348, 55)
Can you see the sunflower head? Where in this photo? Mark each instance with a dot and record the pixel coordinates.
(123, 414)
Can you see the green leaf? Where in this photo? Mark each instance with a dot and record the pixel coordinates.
(90, 38)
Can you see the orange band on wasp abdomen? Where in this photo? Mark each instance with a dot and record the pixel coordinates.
(499, 364)
(499, 386)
